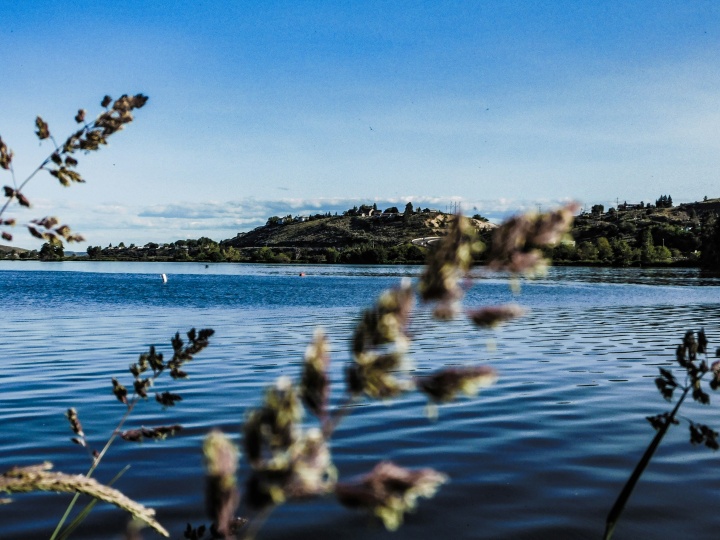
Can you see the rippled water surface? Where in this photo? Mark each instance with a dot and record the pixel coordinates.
(542, 454)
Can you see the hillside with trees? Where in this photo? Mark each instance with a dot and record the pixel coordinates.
(361, 235)
(357, 226)
(642, 235)
(658, 234)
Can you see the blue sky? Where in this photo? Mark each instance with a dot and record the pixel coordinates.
(263, 108)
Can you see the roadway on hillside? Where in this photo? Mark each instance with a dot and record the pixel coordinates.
(426, 241)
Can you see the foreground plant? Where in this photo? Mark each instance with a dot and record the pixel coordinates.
(692, 357)
(146, 371)
(290, 459)
(389, 491)
(62, 163)
(40, 478)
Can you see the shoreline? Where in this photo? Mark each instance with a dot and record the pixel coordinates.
(581, 264)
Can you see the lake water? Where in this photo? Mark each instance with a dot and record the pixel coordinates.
(542, 454)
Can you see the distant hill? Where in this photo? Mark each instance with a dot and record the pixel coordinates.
(702, 207)
(629, 220)
(360, 236)
(639, 234)
(322, 231)
(8, 249)
(631, 234)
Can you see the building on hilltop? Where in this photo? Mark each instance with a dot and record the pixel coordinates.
(626, 206)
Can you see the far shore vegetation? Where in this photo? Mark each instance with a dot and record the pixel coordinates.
(631, 234)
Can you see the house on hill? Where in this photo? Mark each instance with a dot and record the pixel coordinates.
(626, 206)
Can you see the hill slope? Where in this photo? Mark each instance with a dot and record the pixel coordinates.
(347, 231)
(632, 234)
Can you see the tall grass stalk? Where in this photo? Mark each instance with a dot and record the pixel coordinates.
(619, 506)
(687, 356)
(90, 472)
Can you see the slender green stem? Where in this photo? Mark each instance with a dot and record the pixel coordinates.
(622, 499)
(94, 465)
(88, 508)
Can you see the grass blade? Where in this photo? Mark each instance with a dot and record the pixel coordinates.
(627, 490)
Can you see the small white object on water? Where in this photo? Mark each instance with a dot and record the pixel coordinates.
(164, 278)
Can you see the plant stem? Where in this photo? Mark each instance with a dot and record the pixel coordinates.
(38, 169)
(94, 466)
(622, 499)
(85, 511)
